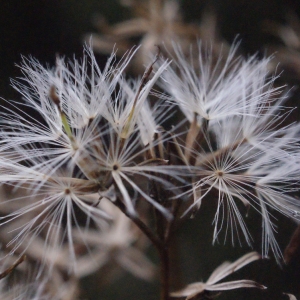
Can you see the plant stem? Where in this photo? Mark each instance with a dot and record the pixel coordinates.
(13, 266)
(141, 225)
(164, 273)
(161, 246)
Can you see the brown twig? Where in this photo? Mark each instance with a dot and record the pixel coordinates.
(12, 267)
(140, 224)
(160, 244)
(165, 272)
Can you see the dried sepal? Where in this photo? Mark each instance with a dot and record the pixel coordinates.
(291, 296)
(225, 269)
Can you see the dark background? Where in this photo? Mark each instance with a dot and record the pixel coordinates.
(43, 29)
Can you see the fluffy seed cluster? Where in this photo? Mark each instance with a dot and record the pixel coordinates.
(240, 143)
(82, 134)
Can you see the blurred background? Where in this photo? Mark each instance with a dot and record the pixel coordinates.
(45, 28)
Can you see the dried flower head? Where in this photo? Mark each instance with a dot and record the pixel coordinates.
(83, 135)
(239, 143)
